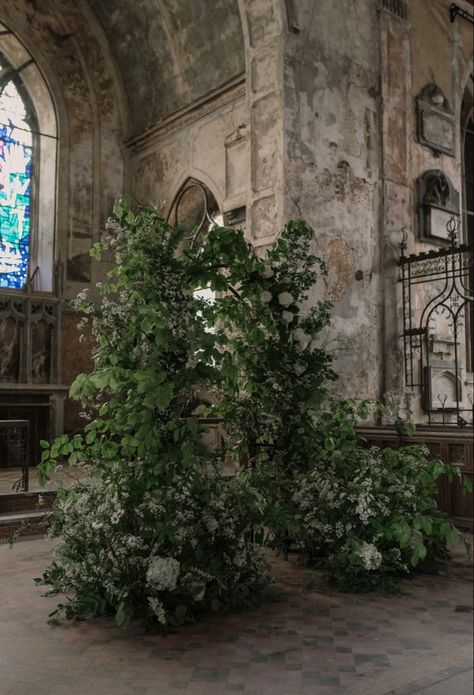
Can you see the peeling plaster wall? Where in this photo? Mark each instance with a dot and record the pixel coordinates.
(323, 127)
(425, 48)
(333, 168)
(213, 149)
(442, 55)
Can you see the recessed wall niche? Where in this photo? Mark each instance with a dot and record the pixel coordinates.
(438, 204)
(443, 388)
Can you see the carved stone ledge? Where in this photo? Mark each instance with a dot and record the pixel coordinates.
(182, 119)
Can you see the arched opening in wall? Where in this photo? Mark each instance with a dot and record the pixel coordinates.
(467, 160)
(195, 210)
(28, 149)
(30, 311)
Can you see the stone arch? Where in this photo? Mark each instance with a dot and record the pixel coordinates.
(195, 207)
(199, 176)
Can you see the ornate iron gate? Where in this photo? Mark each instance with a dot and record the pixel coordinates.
(438, 300)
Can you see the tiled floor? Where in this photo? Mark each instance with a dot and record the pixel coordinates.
(307, 643)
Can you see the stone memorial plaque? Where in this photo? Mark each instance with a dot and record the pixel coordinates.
(438, 131)
(438, 223)
(435, 120)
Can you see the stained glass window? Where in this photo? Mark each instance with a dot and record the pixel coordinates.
(15, 184)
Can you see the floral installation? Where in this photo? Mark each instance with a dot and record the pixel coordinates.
(155, 531)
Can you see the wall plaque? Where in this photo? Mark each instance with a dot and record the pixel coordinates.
(435, 120)
(438, 204)
(443, 388)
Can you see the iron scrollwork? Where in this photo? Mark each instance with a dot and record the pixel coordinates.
(438, 294)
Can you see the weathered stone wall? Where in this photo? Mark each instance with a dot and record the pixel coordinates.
(423, 48)
(333, 170)
(327, 132)
(296, 108)
(172, 52)
(209, 143)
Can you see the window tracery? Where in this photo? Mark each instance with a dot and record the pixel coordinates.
(16, 158)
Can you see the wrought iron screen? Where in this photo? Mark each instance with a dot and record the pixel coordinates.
(438, 300)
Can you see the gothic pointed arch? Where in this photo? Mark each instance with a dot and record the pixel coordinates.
(28, 151)
(194, 209)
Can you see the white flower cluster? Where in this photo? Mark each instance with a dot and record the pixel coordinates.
(363, 509)
(157, 609)
(370, 556)
(163, 573)
(285, 299)
(301, 338)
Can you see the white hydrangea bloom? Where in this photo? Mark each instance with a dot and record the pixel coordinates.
(299, 368)
(287, 316)
(301, 337)
(370, 556)
(163, 573)
(266, 296)
(285, 299)
(268, 273)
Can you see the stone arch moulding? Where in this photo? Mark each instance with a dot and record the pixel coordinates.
(43, 205)
(199, 176)
(194, 208)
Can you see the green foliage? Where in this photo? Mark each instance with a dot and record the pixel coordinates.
(368, 515)
(153, 531)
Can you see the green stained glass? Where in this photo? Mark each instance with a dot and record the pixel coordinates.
(15, 188)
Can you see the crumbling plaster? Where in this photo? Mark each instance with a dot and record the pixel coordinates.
(289, 109)
(332, 170)
(199, 151)
(425, 48)
(329, 134)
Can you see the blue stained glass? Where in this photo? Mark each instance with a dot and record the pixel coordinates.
(15, 188)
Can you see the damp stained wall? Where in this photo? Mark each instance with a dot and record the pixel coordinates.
(332, 171)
